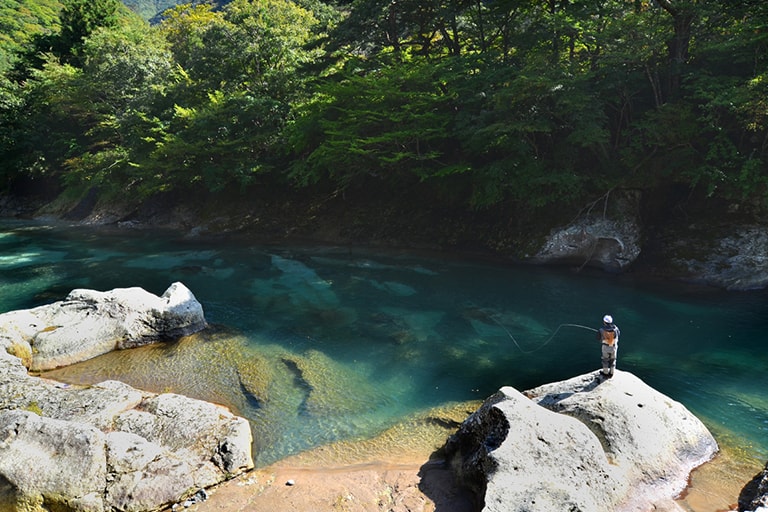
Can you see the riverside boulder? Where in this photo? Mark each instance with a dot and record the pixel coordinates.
(89, 323)
(610, 240)
(108, 447)
(582, 444)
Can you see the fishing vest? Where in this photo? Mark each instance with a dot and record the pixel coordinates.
(609, 337)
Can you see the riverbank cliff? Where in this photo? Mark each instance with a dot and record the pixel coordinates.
(696, 240)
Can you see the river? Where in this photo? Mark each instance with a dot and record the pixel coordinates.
(348, 341)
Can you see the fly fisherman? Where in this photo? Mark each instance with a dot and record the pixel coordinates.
(608, 335)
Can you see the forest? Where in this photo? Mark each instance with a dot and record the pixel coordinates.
(475, 103)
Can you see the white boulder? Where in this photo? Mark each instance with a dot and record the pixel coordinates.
(583, 444)
(106, 447)
(89, 323)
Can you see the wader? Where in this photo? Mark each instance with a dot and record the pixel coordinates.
(609, 358)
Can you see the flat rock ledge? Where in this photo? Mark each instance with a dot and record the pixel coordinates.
(107, 447)
(583, 444)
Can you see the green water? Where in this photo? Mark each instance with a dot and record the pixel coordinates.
(340, 343)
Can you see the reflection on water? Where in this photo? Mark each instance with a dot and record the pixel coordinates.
(323, 344)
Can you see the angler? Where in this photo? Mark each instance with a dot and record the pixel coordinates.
(608, 335)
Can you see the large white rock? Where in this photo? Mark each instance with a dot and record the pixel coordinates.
(583, 444)
(89, 323)
(44, 462)
(107, 447)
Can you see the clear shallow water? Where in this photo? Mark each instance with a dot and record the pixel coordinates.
(338, 343)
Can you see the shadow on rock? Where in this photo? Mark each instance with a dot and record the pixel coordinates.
(439, 484)
(755, 494)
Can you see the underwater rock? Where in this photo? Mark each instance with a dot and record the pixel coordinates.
(255, 374)
(213, 365)
(331, 388)
(89, 323)
(580, 444)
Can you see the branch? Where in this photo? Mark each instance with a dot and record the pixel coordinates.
(589, 207)
(667, 6)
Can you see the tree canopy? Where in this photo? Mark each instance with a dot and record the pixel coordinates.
(524, 102)
(20, 21)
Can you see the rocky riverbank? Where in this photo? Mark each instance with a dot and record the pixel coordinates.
(406, 470)
(108, 446)
(721, 245)
(414, 483)
(586, 442)
(710, 250)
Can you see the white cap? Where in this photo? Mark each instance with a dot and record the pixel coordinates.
(608, 319)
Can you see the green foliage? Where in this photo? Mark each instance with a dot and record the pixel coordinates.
(395, 120)
(79, 19)
(126, 69)
(12, 147)
(20, 21)
(527, 103)
(220, 143)
(55, 117)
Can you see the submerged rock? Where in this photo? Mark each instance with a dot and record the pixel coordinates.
(581, 444)
(214, 365)
(328, 386)
(89, 323)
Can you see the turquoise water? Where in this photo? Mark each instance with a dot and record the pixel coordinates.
(383, 335)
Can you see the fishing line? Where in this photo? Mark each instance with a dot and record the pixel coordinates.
(545, 342)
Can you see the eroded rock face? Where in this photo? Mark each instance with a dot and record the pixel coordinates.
(596, 239)
(583, 444)
(108, 447)
(528, 458)
(89, 323)
(729, 257)
(45, 461)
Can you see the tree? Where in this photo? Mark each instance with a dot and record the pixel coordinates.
(523, 102)
(236, 82)
(124, 74)
(393, 124)
(79, 19)
(20, 21)
(126, 68)
(50, 118)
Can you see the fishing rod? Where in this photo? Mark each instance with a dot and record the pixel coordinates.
(545, 342)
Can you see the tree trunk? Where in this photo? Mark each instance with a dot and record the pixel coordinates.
(682, 13)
